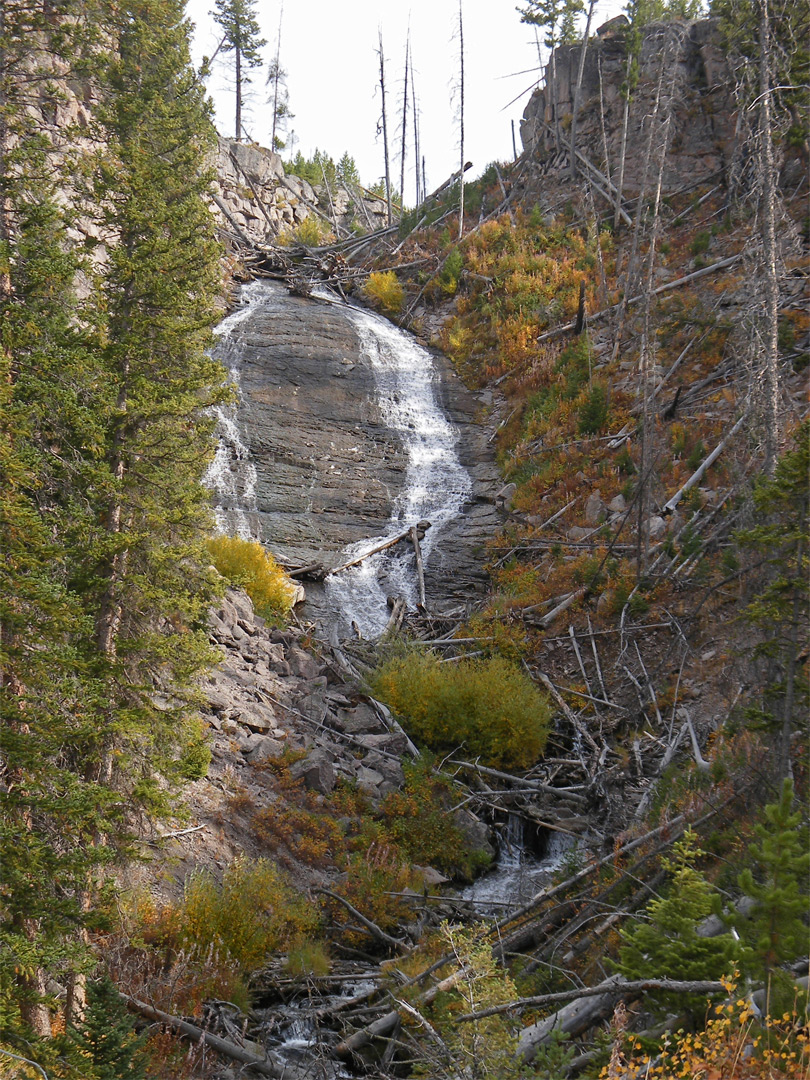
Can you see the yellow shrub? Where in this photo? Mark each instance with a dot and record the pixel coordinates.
(385, 291)
(489, 708)
(246, 564)
(252, 914)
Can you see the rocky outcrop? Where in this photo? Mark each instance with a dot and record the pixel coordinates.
(256, 200)
(328, 468)
(702, 136)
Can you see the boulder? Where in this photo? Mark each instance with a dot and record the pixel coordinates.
(657, 527)
(474, 831)
(263, 749)
(595, 509)
(617, 505)
(505, 497)
(255, 715)
(316, 770)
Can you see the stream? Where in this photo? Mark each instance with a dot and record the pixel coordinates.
(425, 481)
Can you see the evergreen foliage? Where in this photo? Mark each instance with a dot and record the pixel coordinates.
(106, 1037)
(242, 37)
(776, 931)
(780, 607)
(104, 437)
(667, 944)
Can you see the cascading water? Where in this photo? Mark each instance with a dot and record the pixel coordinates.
(517, 874)
(436, 485)
(232, 473)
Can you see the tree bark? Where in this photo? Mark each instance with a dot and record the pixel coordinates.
(770, 357)
(578, 89)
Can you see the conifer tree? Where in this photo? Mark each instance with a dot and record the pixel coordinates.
(776, 931)
(242, 37)
(147, 588)
(667, 945)
(106, 1036)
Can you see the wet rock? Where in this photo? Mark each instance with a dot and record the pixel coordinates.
(474, 831)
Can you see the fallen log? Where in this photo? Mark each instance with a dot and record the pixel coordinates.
(420, 570)
(383, 546)
(378, 934)
(267, 1066)
(696, 476)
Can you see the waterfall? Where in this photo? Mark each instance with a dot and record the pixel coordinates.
(232, 473)
(435, 487)
(436, 484)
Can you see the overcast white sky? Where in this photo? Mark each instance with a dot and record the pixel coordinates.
(329, 49)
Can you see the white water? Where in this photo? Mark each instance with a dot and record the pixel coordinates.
(517, 874)
(232, 473)
(436, 484)
(435, 488)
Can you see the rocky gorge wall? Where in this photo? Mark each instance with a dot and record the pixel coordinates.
(697, 75)
(256, 200)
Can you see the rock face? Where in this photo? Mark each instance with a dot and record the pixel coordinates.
(704, 114)
(328, 468)
(256, 200)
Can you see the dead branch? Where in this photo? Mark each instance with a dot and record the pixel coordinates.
(380, 935)
(267, 1066)
(696, 476)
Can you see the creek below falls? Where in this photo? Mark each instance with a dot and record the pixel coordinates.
(345, 432)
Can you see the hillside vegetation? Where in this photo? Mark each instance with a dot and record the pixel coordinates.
(636, 681)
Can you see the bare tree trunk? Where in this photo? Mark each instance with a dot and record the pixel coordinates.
(770, 354)
(238, 135)
(404, 128)
(461, 116)
(578, 89)
(416, 139)
(385, 134)
(623, 150)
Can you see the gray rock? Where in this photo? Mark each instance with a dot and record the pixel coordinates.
(316, 770)
(392, 742)
(657, 527)
(474, 831)
(302, 664)
(617, 505)
(595, 509)
(505, 497)
(256, 716)
(369, 780)
(265, 749)
(576, 532)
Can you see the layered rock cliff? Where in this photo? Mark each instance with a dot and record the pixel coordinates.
(692, 65)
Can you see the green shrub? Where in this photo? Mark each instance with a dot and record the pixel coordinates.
(593, 413)
(451, 271)
(488, 707)
(701, 242)
(309, 958)
(385, 291)
(253, 913)
(247, 565)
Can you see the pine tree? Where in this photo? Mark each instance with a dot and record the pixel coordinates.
(667, 944)
(147, 588)
(241, 37)
(780, 608)
(106, 1036)
(776, 931)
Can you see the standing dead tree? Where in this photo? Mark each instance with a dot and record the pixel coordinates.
(461, 121)
(384, 122)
